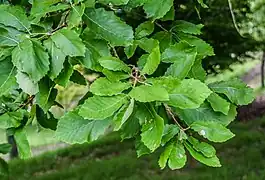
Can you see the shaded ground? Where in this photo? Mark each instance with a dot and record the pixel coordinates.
(242, 159)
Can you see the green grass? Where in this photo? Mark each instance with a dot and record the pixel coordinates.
(242, 158)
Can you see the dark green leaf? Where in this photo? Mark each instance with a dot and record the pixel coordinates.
(78, 78)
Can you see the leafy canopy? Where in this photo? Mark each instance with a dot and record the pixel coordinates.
(150, 85)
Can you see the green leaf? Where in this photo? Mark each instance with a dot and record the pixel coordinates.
(177, 158)
(157, 9)
(9, 36)
(73, 128)
(90, 60)
(218, 103)
(136, 3)
(100, 108)
(212, 161)
(148, 44)
(141, 149)
(170, 131)
(7, 76)
(11, 119)
(5, 148)
(14, 16)
(23, 147)
(189, 94)
(75, 16)
(105, 87)
(152, 62)
(46, 120)
(205, 148)
(114, 64)
(163, 159)
(26, 84)
(197, 71)
(47, 94)
(115, 76)
(202, 3)
(130, 128)
(165, 39)
(114, 2)
(57, 58)
(187, 27)
(183, 56)
(4, 170)
(123, 115)
(107, 25)
(205, 113)
(170, 15)
(78, 78)
(68, 42)
(213, 131)
(65, 75)
(130, 50)
(169, 83)
(30, 57)
(152, 130)
(5, 52)
(203, 49)
(146, 93)
(236, 91)
(90, 3)
(144, 29)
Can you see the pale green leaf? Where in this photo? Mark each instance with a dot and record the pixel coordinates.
(26, 84)
(236, 91)
(14, 16)
(170, 131)
(23, 147)
(212, 161)
(206, 113)
(144, 29)
(157, 9)
(152, 130)
(218, 103)
(75, 15)
(105, 87)
(73, 128)
(147, 44)
(30, 57)
(213, 131)
(7, 76)
(107, 25)
(100, 108)
(123, 115)
(68, 42)
(152, 62)
(57, 58)
(146, 93)
(167, 82)
(189, 94)
(187, 27)
(177, 158)
(9, 36)
(114, 64)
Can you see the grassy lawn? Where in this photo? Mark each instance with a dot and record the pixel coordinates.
(242, 158)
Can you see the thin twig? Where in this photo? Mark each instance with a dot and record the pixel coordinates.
(25, 104)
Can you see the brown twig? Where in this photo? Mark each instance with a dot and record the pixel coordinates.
(30, 99)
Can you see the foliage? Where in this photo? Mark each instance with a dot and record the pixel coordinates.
(151, 82)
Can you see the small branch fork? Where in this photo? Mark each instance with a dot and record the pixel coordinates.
(168, 109)
(137, 76)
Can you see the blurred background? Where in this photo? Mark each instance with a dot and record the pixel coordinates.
(236, 30)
